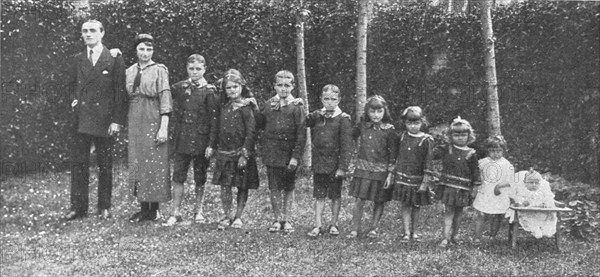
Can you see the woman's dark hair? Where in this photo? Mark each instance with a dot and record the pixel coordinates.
(147, 39)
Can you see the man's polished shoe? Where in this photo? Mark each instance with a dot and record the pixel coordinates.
(72, 215)
(104, 214)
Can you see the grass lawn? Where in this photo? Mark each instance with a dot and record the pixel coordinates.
(34, 242)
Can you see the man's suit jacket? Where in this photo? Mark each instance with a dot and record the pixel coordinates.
(100, 91)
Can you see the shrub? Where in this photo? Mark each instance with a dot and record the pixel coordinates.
(547, 57)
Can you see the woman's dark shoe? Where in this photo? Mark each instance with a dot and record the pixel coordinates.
(137, 217)
(153, 215)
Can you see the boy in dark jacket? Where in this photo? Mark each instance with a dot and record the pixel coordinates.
(331, 148)
(283, 145)
(196, 116)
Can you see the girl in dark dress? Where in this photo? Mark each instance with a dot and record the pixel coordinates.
(460, 179)
(374, 164)
(413, 158)
(235, 163)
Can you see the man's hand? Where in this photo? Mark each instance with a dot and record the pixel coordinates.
(340, 173)
(208, 152)
(113, 129)
(115, 52)
(293, 164)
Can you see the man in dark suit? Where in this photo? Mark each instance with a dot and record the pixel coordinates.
(100, 108)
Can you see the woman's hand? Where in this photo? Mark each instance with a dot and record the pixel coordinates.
(162, 135)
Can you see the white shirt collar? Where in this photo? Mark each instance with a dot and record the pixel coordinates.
(97, 49)
(336, 112)
(288, 99)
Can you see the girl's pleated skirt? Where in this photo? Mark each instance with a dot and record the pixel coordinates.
(371, 190)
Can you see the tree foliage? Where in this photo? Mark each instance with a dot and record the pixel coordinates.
(547, 56)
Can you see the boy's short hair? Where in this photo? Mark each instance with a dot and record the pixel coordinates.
(284, 74)
(330, 88)
(196, 58)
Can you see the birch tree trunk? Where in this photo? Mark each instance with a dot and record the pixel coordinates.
(493, 111)
(361, 57)
(301, 74)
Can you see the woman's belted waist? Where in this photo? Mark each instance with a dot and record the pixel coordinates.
(141, 95)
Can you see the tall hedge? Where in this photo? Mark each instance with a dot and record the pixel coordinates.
(547, 63)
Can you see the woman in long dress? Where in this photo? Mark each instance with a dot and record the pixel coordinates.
(150, 105)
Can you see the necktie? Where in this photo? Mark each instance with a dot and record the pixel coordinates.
(137, 80)
(90, 57)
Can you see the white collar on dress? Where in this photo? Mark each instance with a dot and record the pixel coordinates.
(419, 135)
(465, 148)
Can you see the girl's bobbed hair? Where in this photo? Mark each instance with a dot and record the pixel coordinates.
(233, 75)
(412, 114)
(377, 102)
(460, 125)
(495, 142)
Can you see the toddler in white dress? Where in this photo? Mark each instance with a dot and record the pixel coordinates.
(531, 190)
